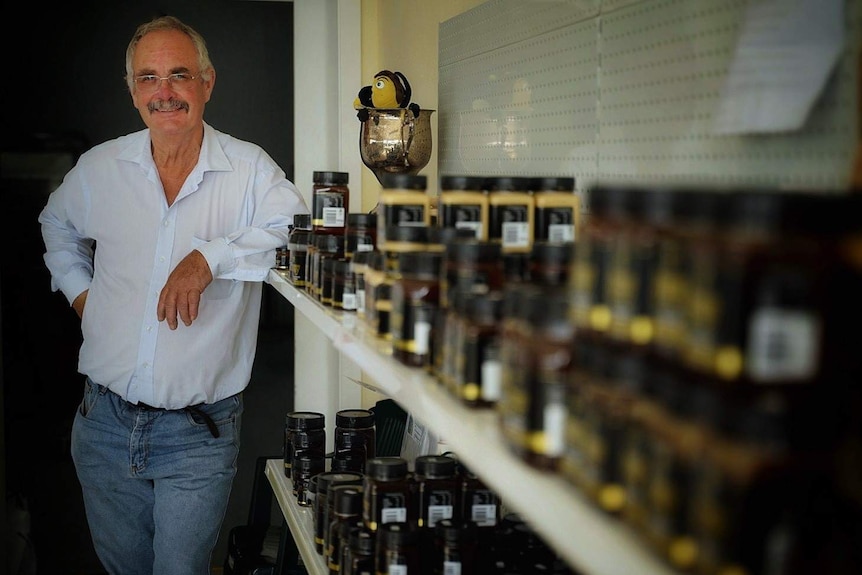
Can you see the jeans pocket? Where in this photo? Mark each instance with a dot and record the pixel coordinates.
(91, 395)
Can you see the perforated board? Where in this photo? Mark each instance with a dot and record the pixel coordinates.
(624, 90)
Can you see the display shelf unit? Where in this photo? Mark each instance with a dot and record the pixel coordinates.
(298, 518)
(586, 538)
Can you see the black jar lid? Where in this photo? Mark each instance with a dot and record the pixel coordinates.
(329, 478)
(554, 184)
(354, 418)
(327, 242)
(441, 236)
(397, 534)
(455, 532)
(347, 499)
(340, 266)
(391, 181)
(302, 221)
(362, 541)
(408, 234)
(309, 464)
(552, 253)
(508, 184)
(361, 219)
(481, 308)
(470, 250)
(390, 468)
(305, 420)
(469, 183)
(424, 265)
(436, 466)
(331, 178)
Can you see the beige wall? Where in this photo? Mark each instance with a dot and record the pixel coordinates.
(401, 35)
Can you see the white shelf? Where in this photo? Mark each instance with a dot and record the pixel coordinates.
(582, 535)
(299, 519)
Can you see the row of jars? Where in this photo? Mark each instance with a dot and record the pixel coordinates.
(438, 519)
(684, 359)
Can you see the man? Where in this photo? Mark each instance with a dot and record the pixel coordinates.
(160, 240)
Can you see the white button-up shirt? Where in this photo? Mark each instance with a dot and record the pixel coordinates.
(108, 228)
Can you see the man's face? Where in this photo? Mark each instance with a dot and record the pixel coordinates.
(170, 108)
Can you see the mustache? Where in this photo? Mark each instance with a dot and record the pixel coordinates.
(169, 105)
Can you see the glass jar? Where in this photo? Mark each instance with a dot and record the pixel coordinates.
(359, 558)
(343, 286)
(346, 514)
(355, 437)
(464, 205)
(297, 245)
(304, 468)
(403, 201)
(398, 550)
(327, 247)
(438, 485)
(330, 201)
(322, 503)
(387, 493)
(360, 235)
(511, 213)
(304, 433)
(415, 297)
(478, 382)
(455, 548)
(557, 211)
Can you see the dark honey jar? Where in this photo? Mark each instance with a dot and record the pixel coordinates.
(330, 201)
(415, 304)
(360, 234)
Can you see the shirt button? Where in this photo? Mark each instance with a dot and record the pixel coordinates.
(149, 328)
(167, 223)
(161, 259)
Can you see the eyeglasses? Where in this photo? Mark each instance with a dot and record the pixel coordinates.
(151, 82)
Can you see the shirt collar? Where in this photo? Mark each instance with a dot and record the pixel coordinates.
(212, 156)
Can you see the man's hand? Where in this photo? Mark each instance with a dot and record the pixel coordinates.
(182, 292)
(80, 302)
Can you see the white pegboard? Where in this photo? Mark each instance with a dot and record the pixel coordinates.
(624, 90)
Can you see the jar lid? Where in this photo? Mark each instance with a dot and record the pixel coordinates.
(508, 184)
(341, 266)
(445, 235)
(398, 533)
(436, 466)
(455, 532)
(362, 541)
(552, 253)
(354, 418)
(361, 219)
(389, 468)
(403, 181)
(337, 178)
(416, 234)
(326, 480)
(554, 184)
(309, 464)
(305, 420)
(470, 250)
(461, 183)
(302, 221)
(327, 242)
(420, 264)
(347, 499)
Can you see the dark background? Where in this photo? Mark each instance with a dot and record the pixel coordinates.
(63, 92)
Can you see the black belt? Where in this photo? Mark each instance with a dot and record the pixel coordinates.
(192, 409)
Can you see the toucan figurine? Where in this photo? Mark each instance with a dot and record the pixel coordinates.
(389, 90)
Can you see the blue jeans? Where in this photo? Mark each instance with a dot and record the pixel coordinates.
(156, 483)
